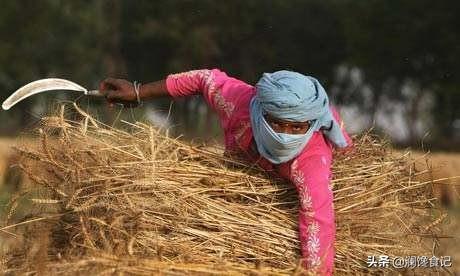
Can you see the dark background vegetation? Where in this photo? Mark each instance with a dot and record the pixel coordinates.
(372, 56)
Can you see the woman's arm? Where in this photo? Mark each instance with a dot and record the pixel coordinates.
(312, 178)
(175, 85)
(205, 82)
(122, 91)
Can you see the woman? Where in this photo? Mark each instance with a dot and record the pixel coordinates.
(284, 124)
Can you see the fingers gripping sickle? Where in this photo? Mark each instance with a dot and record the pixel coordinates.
(119, 91)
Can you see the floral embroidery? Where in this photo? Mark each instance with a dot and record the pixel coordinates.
(306, 202)
(302, 191)
(310, 245)
(313, 245)
(313, 228)
(205, 75)
(305, 199)
(313, 261)
(215, 94)
(244, 125)
(309, 214)
(223, 105)
(311, 248)
(297, 176)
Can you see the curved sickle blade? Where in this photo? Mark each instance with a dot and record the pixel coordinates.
(40, 86)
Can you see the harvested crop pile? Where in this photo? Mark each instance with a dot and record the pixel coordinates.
(137, 201)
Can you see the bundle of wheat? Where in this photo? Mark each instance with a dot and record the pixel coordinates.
(135, 200)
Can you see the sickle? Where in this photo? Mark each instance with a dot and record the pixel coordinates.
(44, 85)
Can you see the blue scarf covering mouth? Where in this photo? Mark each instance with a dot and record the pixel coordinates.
(293, 97)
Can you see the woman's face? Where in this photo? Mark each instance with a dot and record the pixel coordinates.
(282, 126)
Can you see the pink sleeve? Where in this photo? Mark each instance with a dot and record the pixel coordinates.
(226, 95)
(206, 82)
(312, 179)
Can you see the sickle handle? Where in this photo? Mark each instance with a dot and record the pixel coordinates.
(95, 93)
(126, 104)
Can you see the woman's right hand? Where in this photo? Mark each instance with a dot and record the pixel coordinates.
(118, 91)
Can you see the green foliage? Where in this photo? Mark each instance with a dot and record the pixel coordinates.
(392, 42)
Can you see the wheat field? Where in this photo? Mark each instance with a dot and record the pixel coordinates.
(443, 165)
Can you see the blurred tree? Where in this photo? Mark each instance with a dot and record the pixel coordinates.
(383, 46)
(396, 43)
(243, 38)
(53, 38)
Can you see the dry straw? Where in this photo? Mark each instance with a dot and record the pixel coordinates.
(134, 200)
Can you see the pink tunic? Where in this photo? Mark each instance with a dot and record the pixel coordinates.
(310, 172)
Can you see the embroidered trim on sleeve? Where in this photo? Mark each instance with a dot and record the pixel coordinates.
(215, 94)
(244, 125)
(222, 104)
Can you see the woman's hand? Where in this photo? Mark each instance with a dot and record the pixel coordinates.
(123, 92)
(118, 91)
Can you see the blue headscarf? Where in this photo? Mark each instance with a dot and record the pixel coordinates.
(290, 96)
